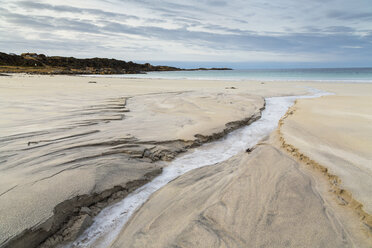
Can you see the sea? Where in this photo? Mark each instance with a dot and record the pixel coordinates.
(317, 74)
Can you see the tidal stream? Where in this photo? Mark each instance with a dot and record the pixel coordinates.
(111, 220)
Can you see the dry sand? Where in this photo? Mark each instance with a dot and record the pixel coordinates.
(64, 137)
(263, 198)
(260, 199)
(336, 131)
(333, 136)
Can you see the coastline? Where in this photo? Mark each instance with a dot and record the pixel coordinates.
(253, 80)
(348, 75)
(149, 150)
(40, 64)
(156, 89)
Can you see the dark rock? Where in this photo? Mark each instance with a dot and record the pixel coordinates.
(33, 63)
(41, 64)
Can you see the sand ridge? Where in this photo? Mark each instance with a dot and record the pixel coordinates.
(347, 134)
(209, 106)
(212, 219)
(259, 199)
(91, 144)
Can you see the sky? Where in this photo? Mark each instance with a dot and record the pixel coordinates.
(191, 33)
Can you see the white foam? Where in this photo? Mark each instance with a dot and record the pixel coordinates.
(110, 221)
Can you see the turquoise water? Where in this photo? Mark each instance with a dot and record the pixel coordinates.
(337, 74)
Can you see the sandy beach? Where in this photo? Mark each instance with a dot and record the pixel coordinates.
(71, 146)
(247, 199)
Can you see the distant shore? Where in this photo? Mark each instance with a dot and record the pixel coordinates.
(33, 63)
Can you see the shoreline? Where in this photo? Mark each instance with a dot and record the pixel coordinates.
(222, 188)
(263, 80)
(137, 231)
(82, 204)
(335, 186)
(331, 178)
(83, 220)
(110, 218)
(218, 79)
(134, 86)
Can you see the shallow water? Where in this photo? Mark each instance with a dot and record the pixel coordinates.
(110, 221)
(317, 74)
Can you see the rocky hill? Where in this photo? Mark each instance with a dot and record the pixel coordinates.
(42, 64)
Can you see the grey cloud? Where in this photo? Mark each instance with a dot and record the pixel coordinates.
(177, 14)
(64, 8)
(339, 29)
(229, 27)
(217, 3)
(47, 23)
(51, 48)
(343, 15)
(23, 20)
(248, 41)
(238, 40)
(330, 29)
(192, 10)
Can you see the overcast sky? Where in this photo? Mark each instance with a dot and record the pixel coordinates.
(216, 32)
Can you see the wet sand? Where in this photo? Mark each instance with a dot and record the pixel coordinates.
(68, 144)
(273, 196)
(261, 199)
(119, 132)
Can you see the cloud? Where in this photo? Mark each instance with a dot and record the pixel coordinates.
(344, 15)
(70, 9)
(352, 47)
(218, 30)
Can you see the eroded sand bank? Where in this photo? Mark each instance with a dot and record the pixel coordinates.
(68, 144)
(270, 198)
(119, 132)
(336, 132)
(260, 199)
(334, 135)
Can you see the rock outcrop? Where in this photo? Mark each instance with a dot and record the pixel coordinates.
(42, 64)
